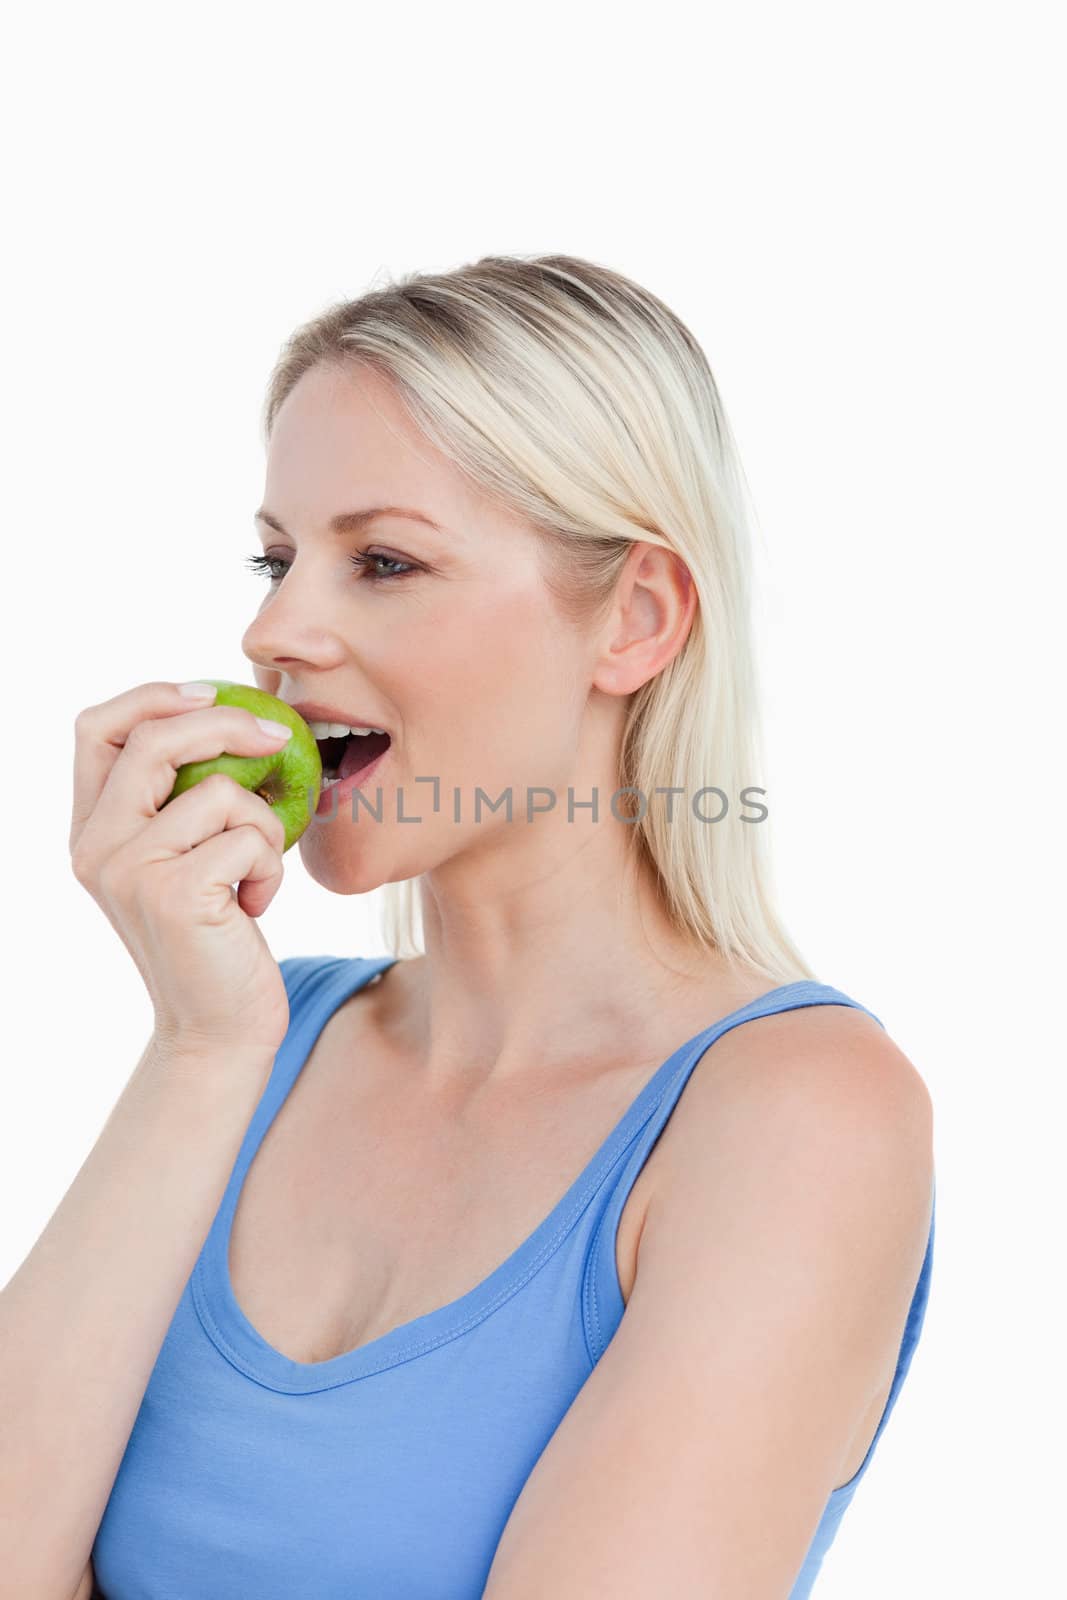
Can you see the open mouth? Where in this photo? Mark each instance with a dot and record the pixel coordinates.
(350, 753)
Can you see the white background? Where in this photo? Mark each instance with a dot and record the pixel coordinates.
(857, 210)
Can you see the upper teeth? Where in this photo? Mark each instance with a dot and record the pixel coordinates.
(338, 730)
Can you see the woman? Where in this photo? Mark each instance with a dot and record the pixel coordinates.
(448, 1273)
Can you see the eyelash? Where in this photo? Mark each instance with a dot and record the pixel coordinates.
(362, 562)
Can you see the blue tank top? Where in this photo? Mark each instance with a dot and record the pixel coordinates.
(389, 1470)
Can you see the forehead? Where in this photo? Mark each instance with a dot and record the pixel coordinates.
(352, 414)
(343, 439)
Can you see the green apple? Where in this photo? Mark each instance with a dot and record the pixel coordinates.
(289, 779)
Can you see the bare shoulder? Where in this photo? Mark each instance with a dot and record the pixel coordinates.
(819, 1109)
(834, 1065)
(821, 1066)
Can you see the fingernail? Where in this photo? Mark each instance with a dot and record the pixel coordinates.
(198, 691)
(276, 730)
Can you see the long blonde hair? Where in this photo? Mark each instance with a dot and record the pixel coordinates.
(580, 401)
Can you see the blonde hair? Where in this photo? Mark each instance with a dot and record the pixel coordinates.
(580, 401)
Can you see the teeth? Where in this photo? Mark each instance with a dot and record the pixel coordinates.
(338, 730)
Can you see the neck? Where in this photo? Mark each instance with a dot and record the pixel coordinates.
(547, 957)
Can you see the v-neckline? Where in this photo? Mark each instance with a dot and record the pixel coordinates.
(212, 1289)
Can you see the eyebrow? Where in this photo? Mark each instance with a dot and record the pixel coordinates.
(353, 521)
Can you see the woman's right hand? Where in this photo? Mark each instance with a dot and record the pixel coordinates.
(163, 877)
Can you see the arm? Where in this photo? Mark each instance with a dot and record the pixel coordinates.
(87, 1587)
(776, 1269)
(83, 1318)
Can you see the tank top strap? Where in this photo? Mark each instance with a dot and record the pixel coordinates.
(307, 977)
(602, 1302)
(316, 986)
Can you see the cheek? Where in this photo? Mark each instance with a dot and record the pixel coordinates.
(500, 689)
(503, 653)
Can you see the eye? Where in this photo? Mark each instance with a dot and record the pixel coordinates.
(263, 565)
(365, 562)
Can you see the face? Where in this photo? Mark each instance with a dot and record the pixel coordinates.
(448, 639)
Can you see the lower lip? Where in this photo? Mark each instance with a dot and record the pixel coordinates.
(330, 799)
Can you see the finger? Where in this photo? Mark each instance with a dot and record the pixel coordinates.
(143, 776)
(217, 804)
(203, 887)
(100, 733)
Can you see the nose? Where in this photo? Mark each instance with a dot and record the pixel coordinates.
(286, 636)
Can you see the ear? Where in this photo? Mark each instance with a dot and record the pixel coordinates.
(652, 613)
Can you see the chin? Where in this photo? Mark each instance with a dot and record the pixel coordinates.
(344, 877)
(348, 865)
